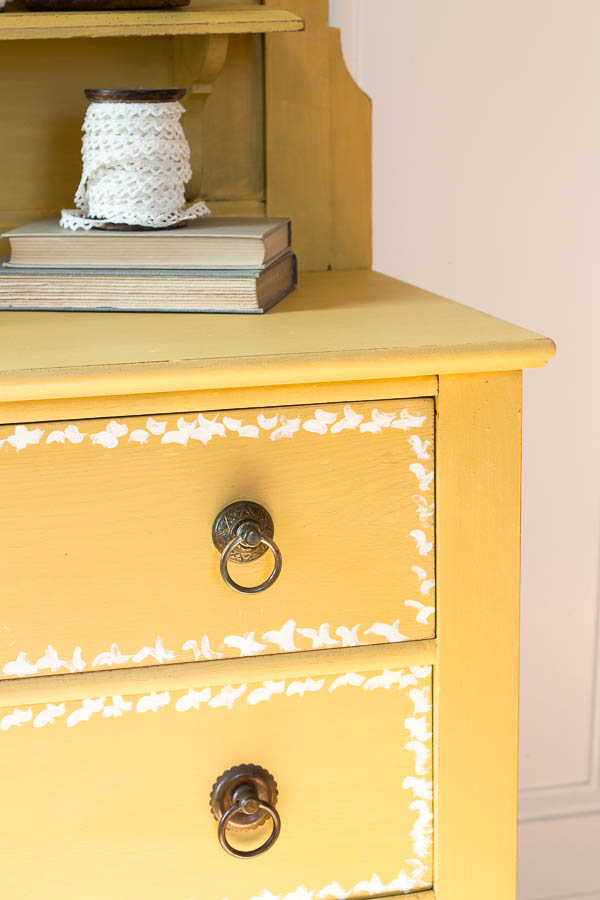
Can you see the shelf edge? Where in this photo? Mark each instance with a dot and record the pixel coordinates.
(302, 368)
(149, 23)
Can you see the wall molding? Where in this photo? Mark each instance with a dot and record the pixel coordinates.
(557, 801)
(594, 895)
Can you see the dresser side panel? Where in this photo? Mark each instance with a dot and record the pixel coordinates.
(478, 523)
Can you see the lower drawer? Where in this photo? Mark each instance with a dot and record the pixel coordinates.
(109, 797)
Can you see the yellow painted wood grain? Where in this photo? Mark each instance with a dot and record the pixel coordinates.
(120, 805)
(236, 398)
(351, 194)
(177, 676)
(109, 529)
(356, 325)
(298, 134)
(229, 163)
(194, 19)
(476, 680)
(318, 141)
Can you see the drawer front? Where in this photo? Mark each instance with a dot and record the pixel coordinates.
(122, 799)
(108, 554)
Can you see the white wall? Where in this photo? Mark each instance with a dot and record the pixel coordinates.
(487, 190)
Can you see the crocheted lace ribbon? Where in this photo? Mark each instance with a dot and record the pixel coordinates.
(136, 163)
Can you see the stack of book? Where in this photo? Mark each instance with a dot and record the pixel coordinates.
(211, 265)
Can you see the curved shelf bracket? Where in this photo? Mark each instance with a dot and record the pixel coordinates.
(197, 63)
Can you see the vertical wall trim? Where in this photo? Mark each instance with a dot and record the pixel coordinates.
(557, 801)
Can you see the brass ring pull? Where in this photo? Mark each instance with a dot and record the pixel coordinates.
(243, 531)
(250, 537)
(244, 798)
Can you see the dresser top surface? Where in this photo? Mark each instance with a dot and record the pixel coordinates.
(337, 326)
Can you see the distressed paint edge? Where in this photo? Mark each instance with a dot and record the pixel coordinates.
(276, 370)
(302, 893)
(41, 689)
(18, 25)
(125, 406)
(51, 662)
(431, 895)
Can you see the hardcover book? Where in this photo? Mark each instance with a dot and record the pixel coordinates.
(248, 290)
(206, 243)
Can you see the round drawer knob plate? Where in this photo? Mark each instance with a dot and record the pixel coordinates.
(242, 532)
(243, 798)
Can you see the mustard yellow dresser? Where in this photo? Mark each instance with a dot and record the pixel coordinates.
(260, 575)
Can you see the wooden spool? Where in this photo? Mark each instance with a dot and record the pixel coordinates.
(135, 95)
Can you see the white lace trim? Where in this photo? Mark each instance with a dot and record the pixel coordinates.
(136, 163)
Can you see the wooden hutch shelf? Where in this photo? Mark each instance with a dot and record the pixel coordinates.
(24, 25)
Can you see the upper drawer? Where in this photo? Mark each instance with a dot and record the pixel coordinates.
(108, 554)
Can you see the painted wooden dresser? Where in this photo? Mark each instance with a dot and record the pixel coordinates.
(363, 669)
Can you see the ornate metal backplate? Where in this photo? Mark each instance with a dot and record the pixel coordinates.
(258, 779)
(232, 520)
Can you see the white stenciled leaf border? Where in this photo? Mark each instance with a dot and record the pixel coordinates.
(418, 727)
(408, 880)
(203, 428)
(289, 638)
